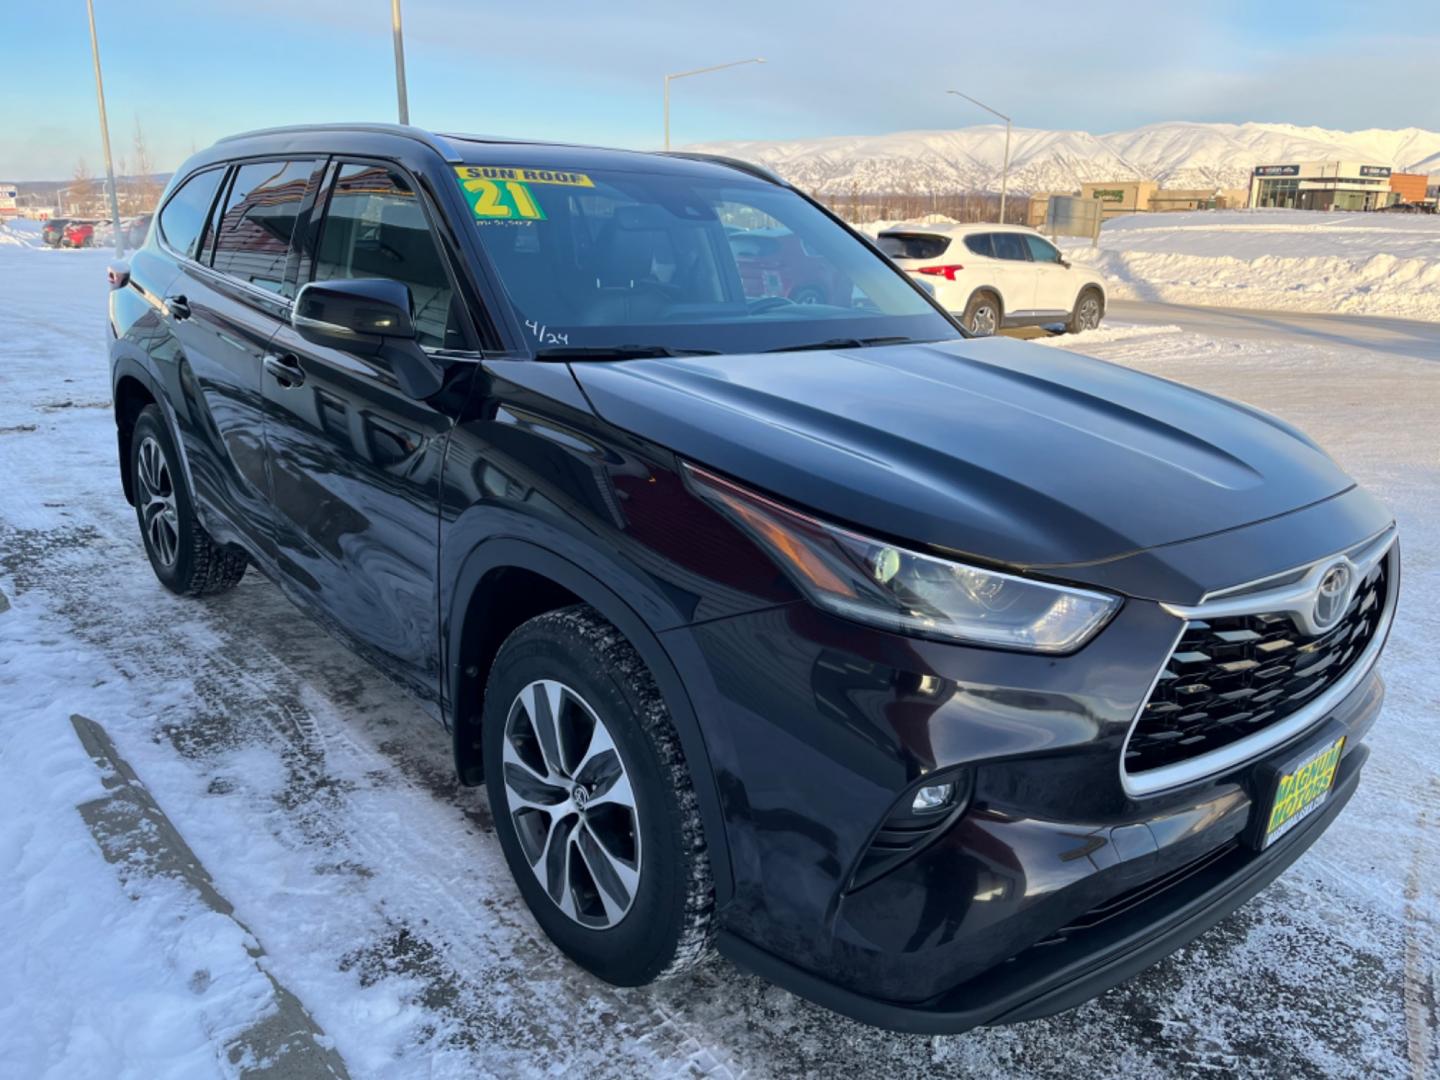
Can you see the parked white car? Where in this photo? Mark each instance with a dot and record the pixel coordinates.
(992, 276)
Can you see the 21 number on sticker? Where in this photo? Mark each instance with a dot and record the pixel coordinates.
(508, 199)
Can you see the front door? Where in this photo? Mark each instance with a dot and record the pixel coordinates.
(355, 463)
(1054, 283)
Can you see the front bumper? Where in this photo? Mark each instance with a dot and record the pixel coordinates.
(1047, 979)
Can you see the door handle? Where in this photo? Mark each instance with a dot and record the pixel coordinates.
(178, 307)
(286, 369)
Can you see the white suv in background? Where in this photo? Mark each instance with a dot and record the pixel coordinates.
(997, 275)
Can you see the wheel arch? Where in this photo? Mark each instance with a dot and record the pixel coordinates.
(992, 290)
(523, 580)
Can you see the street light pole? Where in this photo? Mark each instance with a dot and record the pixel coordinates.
(1005, 170)
(697, 71)
(398, 33)
(105, 135)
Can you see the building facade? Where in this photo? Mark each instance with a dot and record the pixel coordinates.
(1321, 185)
(1409, 187)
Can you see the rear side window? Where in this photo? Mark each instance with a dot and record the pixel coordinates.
(1042, 251)
(913, 245)
(980, 244)
(1009, 245)
(184, 215)
(375, 227)
(252, 239)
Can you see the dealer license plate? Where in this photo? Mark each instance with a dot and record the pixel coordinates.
(1301, 790)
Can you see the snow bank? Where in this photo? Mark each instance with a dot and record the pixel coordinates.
(1362, 264)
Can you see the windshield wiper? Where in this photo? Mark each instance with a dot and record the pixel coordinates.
(847, 343)
(615, 352)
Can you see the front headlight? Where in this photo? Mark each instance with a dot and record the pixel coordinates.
(892, 587)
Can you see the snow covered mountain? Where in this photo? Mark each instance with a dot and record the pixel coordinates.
(1179, 155)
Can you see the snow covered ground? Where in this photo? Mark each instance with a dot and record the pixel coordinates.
(1371, 264)
(321, 802)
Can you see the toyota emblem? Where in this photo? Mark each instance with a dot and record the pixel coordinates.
(1333, 595)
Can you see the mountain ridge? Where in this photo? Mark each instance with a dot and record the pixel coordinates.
(1178, 154)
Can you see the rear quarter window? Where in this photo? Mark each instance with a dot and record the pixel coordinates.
(981, 244)
(184, 215)
(913, 245)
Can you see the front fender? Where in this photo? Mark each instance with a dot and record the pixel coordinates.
(625, 600)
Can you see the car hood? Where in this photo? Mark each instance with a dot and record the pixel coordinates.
(1013, 453)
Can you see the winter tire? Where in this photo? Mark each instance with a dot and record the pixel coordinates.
(593, 801)
(183, 556)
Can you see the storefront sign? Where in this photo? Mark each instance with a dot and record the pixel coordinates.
(1277, 170)
(1374, 170)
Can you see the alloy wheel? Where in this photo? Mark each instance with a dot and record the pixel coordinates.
(982, 321)
(572, 804)
(158, 513)
(1089, 313)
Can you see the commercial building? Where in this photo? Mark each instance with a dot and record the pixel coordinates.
(1321, 185)
(1410, 187)
(1121, 196)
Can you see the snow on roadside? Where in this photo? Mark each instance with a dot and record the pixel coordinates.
(1286, 260)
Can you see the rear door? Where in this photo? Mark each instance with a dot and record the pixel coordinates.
(1015, 271)
(227, 302)
(355, 463)
(1054, 282)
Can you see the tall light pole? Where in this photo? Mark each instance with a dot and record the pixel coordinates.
(105, 136)
(398, 33)
(697, 71)
(1005, 171)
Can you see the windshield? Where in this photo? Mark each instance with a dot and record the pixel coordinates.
(663, 261)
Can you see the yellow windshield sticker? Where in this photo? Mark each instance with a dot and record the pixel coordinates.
(519, 175)
(505, 200)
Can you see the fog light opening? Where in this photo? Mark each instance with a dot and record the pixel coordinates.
(933, 798)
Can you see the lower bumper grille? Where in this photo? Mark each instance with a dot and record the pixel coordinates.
(1228, 678)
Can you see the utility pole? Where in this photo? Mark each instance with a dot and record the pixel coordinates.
(1005, 171)
(398, 33)
(105, 135)
(697, 71)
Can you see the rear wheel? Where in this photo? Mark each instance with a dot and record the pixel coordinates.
(1089, 310)
(982, 314)
(181, 552)
(593, 802)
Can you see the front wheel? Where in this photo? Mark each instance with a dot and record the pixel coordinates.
(593, 801)
(1089, 309)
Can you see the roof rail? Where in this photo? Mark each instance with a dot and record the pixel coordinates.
(438, 143)
(735, 163)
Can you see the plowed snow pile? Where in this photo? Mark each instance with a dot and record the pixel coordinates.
(1364, 264)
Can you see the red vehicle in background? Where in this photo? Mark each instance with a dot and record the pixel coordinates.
(775, 262)
(78, 234)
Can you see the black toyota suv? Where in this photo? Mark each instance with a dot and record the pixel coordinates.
(942, 681)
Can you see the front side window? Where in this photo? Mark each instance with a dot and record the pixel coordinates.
(184, 215)
(1042, 251)
(252, 234)
(375, 227)
(685, 261)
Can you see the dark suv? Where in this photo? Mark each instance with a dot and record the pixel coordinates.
(942, 681)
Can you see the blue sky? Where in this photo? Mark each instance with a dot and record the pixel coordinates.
(193, 70)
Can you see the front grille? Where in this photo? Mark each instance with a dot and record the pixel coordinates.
(1228, 678)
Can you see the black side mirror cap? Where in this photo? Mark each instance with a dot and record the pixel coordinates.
(368, 317)
(353, 314)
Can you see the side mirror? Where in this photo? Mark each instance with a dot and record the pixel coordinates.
(355, 315)
(1064, 262)
(367, 317)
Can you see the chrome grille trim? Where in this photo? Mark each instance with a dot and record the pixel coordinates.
(1227, 602)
